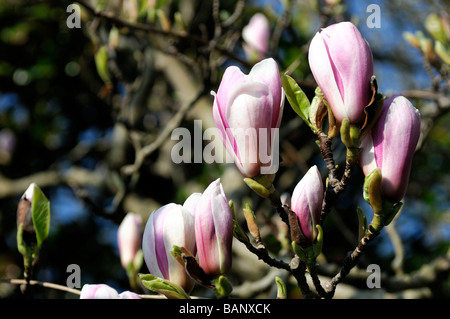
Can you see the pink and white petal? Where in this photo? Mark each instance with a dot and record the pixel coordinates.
(323, 72)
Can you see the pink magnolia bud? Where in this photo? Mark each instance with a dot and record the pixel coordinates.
(214, 230)
(170, 225)
(99, 291)
(24, 215)
(306, 202)
(102, 291)
(391, 144)
(256, 36)
(342, 64)
(129, 295)
(247, 111)
(129, 238)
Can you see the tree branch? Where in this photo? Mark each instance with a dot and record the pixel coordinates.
(168, 33)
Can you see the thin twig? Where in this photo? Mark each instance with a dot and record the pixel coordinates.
(74, 291)
(240, 5)
(147, 150)
(42, 284)
(263, 254)
(350, 261)
(397, 262)
(297, 269)
(168, 33)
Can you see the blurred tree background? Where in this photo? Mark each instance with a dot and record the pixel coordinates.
(87, 114)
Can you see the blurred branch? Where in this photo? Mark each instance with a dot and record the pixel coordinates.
(78, 175)
(65, 288)
(249, 289)
(77, 179)
(212, 45)
(397, 263)
(142, 153)
(42, 284)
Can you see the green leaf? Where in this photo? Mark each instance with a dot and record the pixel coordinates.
(298, 251)
(372, 190)
(434, 27)
(296, 97)
(259, 189)
(21, 246)
(443, 53)
(281, 288)
(222, 286)
(319, 242)
(362, 224)
(396, 208)
(162, 286)
(237, 230)
(101, 63)
(40, 208)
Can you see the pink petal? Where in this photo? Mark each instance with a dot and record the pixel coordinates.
(401, 134)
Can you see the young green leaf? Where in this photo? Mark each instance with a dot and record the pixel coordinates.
(296, 97)
(101, 62)
(281, 288)
(162, 286)
(40, 207)
(223, 287)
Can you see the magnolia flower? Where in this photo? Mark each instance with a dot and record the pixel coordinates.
(102, 291)
(191, 202)
(129, 295)
(247, 111)
(129, 238)
(256, 36)
(214, 230)
(170, 225)
(341, 62)
(390, 146)
(306, 202)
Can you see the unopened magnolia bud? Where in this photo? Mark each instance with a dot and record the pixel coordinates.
(33, 219)
(129, 238)
(412, 39)
(246, 107)
(390, 146)
(256, 36)
(214, 230)
(317, 112)
(342, 64)
(24, 217)
(102, 291)
(170, 225)
(251, 222)
(306, 203)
